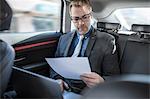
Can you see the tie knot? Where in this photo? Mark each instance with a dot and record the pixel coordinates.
(81, 37)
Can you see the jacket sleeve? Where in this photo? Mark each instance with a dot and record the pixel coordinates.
(110, 64)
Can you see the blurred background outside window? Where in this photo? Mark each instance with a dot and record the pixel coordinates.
(35, 15)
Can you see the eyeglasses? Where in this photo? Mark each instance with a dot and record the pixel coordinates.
(83, 18)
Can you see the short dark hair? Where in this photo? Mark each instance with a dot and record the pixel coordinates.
(79, 3)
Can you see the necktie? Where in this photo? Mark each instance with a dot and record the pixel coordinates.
(78, 47)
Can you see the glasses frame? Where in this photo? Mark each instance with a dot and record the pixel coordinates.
(84, 18)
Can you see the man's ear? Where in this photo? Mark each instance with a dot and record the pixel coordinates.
(90, 9)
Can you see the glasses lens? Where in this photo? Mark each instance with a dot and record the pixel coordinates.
(83, 18)
(75, 19)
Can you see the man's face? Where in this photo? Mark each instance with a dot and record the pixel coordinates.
(81, 17)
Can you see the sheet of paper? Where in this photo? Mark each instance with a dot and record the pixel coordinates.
(70, 67)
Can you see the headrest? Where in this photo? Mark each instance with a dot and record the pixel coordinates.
(5, 16)
(109, 26)
(140, 28)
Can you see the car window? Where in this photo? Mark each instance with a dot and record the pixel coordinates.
(35, 15)
(129, 16)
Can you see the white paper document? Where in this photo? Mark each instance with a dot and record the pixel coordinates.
(70, 67)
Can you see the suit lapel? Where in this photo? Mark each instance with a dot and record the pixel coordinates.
(69, 44)
(91, 43)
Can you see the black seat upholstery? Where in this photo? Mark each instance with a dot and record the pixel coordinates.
(123, 88)
(135, 57)
(7, 55)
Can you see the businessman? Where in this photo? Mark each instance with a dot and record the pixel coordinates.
(86, 41)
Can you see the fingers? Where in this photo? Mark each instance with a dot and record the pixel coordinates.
(90, 83)
(65, 85)
(60, 82)
(91, 75)
(91, 79)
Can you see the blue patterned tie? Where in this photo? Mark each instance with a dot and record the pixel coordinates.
(78, 47)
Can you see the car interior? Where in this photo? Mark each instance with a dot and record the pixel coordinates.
(27, 61)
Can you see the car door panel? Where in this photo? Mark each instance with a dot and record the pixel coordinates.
(31, 52)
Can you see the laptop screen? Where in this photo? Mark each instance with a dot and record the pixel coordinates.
(32, 85)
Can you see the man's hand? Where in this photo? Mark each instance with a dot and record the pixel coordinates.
(91, 79)
(63, 85)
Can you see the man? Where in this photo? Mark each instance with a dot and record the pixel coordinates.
(99, 47)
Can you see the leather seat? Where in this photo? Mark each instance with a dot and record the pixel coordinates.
(119, 90)
(7, 56)
(121, 87)
(135, 59)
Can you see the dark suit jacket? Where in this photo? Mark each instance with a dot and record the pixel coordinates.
(99, 52)
(7, 56)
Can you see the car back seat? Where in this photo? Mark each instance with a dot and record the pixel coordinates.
(135, 53)
(133, 50)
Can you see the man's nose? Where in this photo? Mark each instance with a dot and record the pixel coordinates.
(81, 22)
